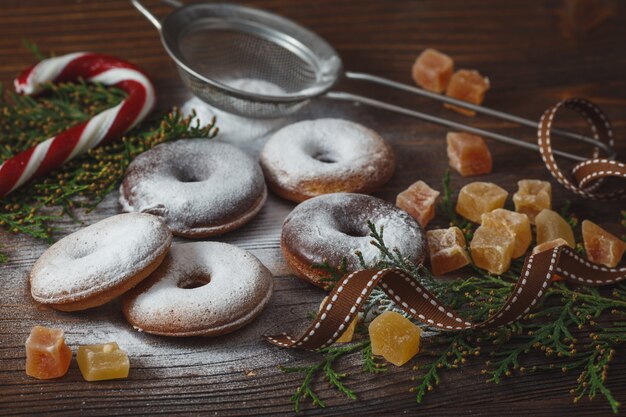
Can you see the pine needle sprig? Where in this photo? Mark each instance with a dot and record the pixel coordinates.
(569, 329)
(83, 182)
(327, 366)
(447, 206)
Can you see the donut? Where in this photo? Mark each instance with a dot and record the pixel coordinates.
(332, 227)
(100, 262)
(201, 289)
(324, 156)
(199, 187)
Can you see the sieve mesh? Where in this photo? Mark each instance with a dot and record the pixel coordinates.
(226, 55)
(215, 45)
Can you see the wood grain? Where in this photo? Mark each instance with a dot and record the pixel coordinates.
(535, 53)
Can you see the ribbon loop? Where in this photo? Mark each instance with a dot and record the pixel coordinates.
(587, 176)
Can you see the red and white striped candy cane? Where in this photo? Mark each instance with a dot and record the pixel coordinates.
(100, 129)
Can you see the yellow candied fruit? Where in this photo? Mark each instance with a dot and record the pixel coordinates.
(419, 201)
(447, 250)
(549, 245)
(551, 226)
(102, 362)
(348, 333)
(47, 355)
(601, 246)
(531, 197)
(478, 198)
(492, 249)
(516, 224)
(432, 70)
(394, 337)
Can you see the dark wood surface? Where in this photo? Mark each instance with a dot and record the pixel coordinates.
(535, 53)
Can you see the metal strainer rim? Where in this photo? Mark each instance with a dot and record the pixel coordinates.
(298, 96)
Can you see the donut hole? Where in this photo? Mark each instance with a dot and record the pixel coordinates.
(196, 280)
(82, 251)
(322, 152)
(354, 230)
(184, 175)
(325, 157)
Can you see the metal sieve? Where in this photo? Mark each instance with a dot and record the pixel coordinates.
(217, 45)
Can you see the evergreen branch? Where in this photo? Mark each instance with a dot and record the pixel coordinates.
(83, 182)
(326, 366)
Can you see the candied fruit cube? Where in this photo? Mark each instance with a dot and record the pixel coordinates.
(394, 337)
(516, 224)
(432, 70)
(601, 246)
(478, 198)
(467, 85)
(102, 362)
(47, 355)
(348, 333)
(551, 226)
(447, 250)
(419, 201)
(468, 154)
(492, 249)
(531, 197)
(549, 245)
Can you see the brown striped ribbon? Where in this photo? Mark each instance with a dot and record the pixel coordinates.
(350, 293)
(587, 176)
(347, 297)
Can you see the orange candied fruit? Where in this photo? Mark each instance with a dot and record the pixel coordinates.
(550, 226)
(419, 201)
(492, 249)
(478, 198)
(447, 250)
(467, 85)
(601, 246)
(47, 355)
(394, 337)
(432, 70)
(348, 333)
(468, 154)
(515, 224)
(531, 197)
(102, 362)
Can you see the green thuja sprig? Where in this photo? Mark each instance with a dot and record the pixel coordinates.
(569, 328)
(83, 182)
(327, 367)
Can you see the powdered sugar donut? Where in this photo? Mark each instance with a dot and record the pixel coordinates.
(199, 187)
(323, 156)
(201, 289)
(334, 226)
(100, 262)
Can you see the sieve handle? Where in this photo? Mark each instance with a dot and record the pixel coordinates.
(610, 152)
(338, 95)
(148, 14)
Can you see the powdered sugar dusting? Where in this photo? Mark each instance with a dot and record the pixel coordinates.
(98, 257)
(326, 227)
(193, 184)
(238, 289)
(245, 132)
(255, 86)
(329, 149)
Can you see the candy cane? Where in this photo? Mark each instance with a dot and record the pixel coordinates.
(100, 129)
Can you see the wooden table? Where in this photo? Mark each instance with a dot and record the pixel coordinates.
(535, 54)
